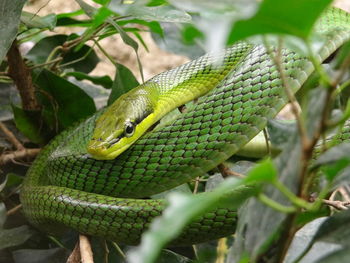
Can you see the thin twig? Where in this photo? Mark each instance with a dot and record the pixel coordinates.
(340, 205)
(11, 137)
(225, 171)
(18, 155)
(14, 210)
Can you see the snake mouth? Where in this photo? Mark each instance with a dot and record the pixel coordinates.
(101, 150)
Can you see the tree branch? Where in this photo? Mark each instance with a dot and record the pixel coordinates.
(20, 74)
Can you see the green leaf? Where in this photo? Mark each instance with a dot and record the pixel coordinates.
(83, 60)
(182, 209)
(14, 236)
(53, 255)
(63, 101)
(154, 26)
(263, 172)
(124, 81)
(334, 160)
(66, 19)
(301, 240)
(35, 21)
(280, 17)
(336, 229)
(141, 10)
(30, 123)
(129, 41)
(10, 13)
(104, 81)
(190, 33)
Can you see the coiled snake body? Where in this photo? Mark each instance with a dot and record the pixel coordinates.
(65, 186)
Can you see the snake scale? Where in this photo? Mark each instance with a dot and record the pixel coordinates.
(65, 186)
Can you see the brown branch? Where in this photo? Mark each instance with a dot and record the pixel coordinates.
(11, 137)
(20, 74)
(85, 250)
(75, 257)
(18, 155)
(340, 205)
(14, 210)
(226, 172)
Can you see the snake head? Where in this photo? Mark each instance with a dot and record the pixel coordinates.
(121, 124)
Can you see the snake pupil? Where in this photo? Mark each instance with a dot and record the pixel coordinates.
(129, 129)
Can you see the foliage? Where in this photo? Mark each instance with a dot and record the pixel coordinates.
(272, 200)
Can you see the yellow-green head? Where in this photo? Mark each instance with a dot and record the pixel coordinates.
(122, 124)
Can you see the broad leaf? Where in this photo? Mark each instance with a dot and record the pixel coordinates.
(140, 10)
(14, 236)
(31, 124)
(35, 21)
(280, 17)
(104, 81)
(62, 100)
(10, 13)
(181, 211)
(124, 81)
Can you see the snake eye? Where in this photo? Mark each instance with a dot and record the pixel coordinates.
(129, 129)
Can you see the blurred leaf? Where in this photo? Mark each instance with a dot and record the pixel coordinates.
(156, 2)
(141, 10)
(88, 9)
(10, 12)
(256, 232)
(63, 101)
(53, 255)
(342, 179)
(181, 210)
(280, 131)
(124, 81)
(30, 123)
(99, 16)
(173, 42)
(83, 60)
(66, 19)
(35, 21)
(342, 55)
(301, 240)
(280, 17)
(14, 236)
(334, 160)
(264, 172)
(336, 229)
(190, 33)
(13, 180)
(342, 255)
(104, 81)
(154, 26)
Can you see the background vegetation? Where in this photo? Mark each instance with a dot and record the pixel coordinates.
(55, 88)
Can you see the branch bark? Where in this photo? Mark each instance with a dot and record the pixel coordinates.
(20, 74)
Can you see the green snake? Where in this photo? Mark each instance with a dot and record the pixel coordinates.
(78, 182)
